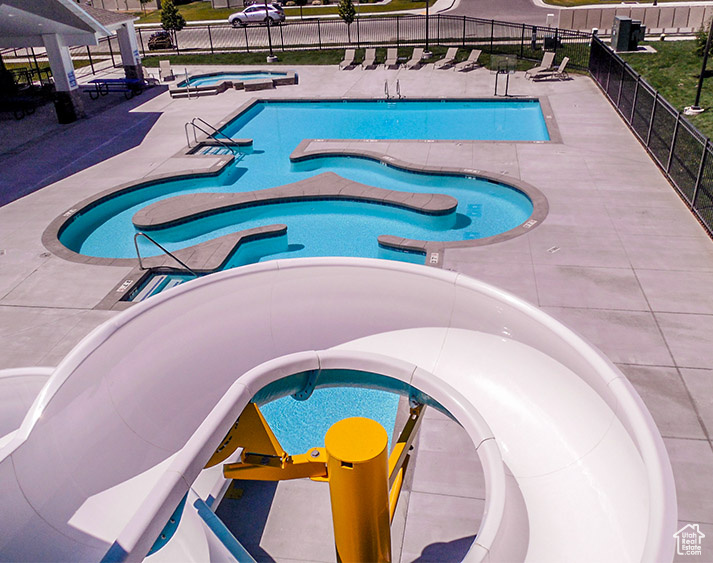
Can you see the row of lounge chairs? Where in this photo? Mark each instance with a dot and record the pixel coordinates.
(416, 61)
(544, 71)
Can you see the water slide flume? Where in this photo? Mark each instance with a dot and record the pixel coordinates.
(573, 462)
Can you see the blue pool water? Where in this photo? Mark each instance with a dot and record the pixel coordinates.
(330, 228)
(301, 425)
(486, 120)
(211, 79)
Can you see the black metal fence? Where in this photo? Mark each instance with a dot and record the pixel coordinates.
(495, 37)
(683, 153)
(492, 36)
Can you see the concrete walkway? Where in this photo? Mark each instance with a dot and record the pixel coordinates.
(619, 259)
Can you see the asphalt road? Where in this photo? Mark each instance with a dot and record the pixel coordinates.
(518, 11)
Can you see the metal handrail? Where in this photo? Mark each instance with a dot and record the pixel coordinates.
(165, 251)
(192, 123)
(398, 89)
(386, 89)
(215, 131)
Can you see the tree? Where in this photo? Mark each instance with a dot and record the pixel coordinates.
(171, 19)
(348, 14)
(701, 40)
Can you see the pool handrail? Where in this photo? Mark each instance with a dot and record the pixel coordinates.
(164, 250)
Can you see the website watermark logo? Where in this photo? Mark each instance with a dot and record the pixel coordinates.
(689, 540)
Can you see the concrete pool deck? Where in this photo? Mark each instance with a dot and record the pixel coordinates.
(619, 259)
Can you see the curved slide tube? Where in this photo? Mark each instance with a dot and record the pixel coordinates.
(120, 433)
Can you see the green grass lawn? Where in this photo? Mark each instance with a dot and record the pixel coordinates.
(674, 70)
(198, 11)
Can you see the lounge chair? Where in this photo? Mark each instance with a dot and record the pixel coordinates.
(392, 58)
(164, 71)
(415, 61)
(369, 59)
(548, 59)
(348, 61)
(470, 62)
(448, 60)
(559, 73)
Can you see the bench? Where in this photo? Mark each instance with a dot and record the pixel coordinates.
(129, 86)
(19, 106)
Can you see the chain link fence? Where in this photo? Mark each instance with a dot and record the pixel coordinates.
(683, 153)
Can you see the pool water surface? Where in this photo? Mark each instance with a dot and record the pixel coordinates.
(337, 228)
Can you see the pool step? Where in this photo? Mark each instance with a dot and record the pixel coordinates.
(157, 284)
(150, 288)
(216, 150)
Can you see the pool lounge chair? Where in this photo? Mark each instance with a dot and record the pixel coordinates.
(164, 71)
(415, 61)
(369, 59)
(548, 59)
(559, 73)
(348, 61)
(392, 58)
(448, 60)
(470, 62)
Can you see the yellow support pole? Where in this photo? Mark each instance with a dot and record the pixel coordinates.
(357, 465)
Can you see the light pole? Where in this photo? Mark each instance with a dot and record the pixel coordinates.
(271, 57)
(695, 108)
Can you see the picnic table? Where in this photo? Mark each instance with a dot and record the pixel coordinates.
(129, 86)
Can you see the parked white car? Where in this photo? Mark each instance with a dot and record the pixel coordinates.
(257, 14)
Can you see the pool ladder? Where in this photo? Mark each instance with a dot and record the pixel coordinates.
(199, 126)
(164, 250)
(398, 89)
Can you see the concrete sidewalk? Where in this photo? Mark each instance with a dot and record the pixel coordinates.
(619, 259)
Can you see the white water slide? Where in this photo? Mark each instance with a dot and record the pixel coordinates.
(575, 468)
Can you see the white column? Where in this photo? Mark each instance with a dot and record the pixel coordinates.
(68, 101)
(128, 46)
(60, 63)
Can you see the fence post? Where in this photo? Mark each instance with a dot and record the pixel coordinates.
(358, 42)
(210, 40)
(111, 52)
(91, 64)
(282, 38)
(621, 84)
(492, 33)
(651, 118)
(522, 42)
(247, 46)
(699, 176)
(319, 35)
(397, 31)
(606, 86)
(141, 40)
(636, 94)
(673, 141)
(463, 31)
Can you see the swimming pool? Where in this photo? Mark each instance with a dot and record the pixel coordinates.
(322, 228)
(216, 78)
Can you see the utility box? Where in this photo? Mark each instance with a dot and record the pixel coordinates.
(626, 34)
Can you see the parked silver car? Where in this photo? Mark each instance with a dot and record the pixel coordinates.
(257, 14)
